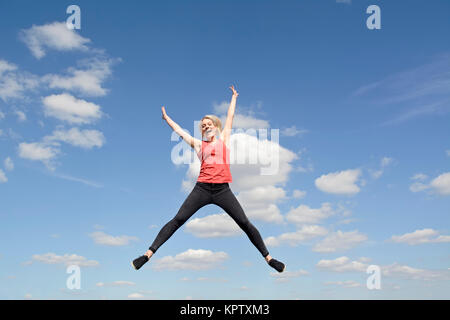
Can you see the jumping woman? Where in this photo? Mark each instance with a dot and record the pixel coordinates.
(212, 184)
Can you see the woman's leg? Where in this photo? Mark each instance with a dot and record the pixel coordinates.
(196, 199)
(228, 202)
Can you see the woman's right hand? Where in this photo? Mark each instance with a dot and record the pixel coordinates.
(164, 114)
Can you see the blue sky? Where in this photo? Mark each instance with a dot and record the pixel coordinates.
(87, 174)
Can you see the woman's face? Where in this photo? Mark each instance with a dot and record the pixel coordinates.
(208, 129)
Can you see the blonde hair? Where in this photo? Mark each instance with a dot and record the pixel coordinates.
(214, 119)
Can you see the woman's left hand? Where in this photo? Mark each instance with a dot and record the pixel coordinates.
(235, 93)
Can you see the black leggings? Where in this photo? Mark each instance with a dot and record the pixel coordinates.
(203, 194)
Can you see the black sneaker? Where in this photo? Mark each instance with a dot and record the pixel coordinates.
(277, 265)
(139, 262)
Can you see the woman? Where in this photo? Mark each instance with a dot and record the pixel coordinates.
(212, 184)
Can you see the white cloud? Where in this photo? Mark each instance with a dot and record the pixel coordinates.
(87, 81)
(213, 226)
(418, 186)
(293, 131)
(298, 194)
(448, 153)
(54, 36)
(419, 176)
(3, 178)
(49, 148)
(135, 295)
(420, 237)
(385, 161)
(340, 241)
(247, 122)
(66, 259)
(239, 120)
(342, 264)
(13, 83)
(21, 116)
(9, 164)
(343, 182)
(38, 152)
(300, 236)
(306, 215)
(101, 237)
(119, 283)
(403, 271)
(6, 66)
(191, 260)
(86, 139)
(288, 275)
(439, 185)
(344, 284)
(259, 203)
(68, 108)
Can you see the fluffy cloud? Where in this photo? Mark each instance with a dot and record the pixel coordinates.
(293, 131)
(49, 148)
(13, 82)
(101, 237)
(259, 203)
(402, 271)
(293, 239)
(439, 185)
(343, 182)
(306, 215)
(54, 36)
(3, 177)
(67, 260)
(213, 226)
(87, 80)
(420, 237)
(385, 161)
(86, 139)
(344, 284)
(68, 108)
(119, 283)
(342, 264)
(9, 164)
(298, 194)
(191, 260)
(37, 151)
(288, 275)
(240, 120)
(339, 241)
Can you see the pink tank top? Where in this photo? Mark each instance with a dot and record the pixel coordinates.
(215, 159)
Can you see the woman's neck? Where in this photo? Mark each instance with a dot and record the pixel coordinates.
(213, 139)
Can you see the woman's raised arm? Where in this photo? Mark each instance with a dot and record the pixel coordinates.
(193, 142)
(229, 122)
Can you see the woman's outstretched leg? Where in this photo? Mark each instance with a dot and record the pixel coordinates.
(228, 202)
(196, 199)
